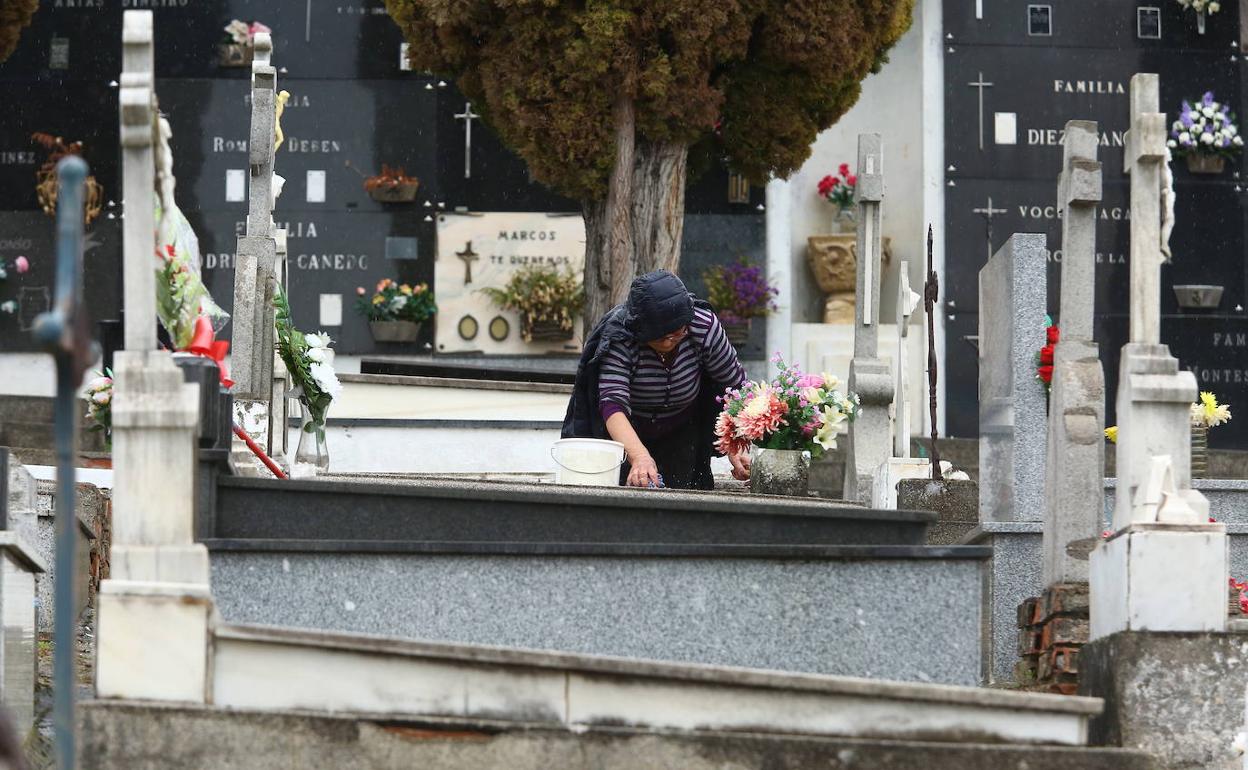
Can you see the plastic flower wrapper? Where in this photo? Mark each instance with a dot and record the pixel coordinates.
(181, 296)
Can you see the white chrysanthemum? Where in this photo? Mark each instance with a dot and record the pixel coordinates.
(316, 355)
(1185, 138)
(1238, 141)
(318, 340)
(1172, 144)
(326, 379)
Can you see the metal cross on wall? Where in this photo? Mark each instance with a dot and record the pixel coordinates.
(468, 116)
(981, 85)
(988, 213)
(468, 256)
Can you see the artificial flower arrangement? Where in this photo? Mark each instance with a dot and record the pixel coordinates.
(181, 297)
(1044, 359)
(1205, 127)
(548, 301)
(797, 411)
(47, 184)
(20, 265)
(396, 302)
(238, 46)
(839, 188)
(1202, 7)
(99, 395)
(392, 185)
(739, 291)
(1205, 413)
(310, 363)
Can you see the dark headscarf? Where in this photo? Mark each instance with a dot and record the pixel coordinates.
(658, 304)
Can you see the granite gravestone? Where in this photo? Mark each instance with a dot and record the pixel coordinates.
(1012, 400)
(1082, 68)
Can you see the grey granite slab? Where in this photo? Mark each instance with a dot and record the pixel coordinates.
(1015, 574)
(907, 619)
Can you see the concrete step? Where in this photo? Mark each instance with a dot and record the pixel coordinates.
(127, 735)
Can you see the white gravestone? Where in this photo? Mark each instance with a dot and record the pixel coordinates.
(1164, 566)
(485, 250)
(1012, 401)
(155, 608)
(869, 443)
(1074, 480)
(901, 465)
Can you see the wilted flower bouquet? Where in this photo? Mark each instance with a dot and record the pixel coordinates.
(797, 411)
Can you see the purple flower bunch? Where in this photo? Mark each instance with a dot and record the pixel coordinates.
(1206, 127)
(739, 290)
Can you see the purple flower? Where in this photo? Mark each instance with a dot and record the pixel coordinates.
(1207, 99)
(1186, 118)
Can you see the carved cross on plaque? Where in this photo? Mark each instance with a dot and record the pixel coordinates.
(981, 85)
(469, 256)
(988, 213)
(468, 116)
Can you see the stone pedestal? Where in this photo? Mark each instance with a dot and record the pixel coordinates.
(833, 262)
(887, 475)
(1134, 584)
(870, 439)
(1013, 577)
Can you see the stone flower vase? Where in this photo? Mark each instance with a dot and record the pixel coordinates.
(780, 472)
(394, 331)
(1205, 164)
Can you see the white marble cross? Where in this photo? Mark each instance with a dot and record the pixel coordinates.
(1145, 152)
(137, 104)
(868, 193)
(467, 116)
(907, 301)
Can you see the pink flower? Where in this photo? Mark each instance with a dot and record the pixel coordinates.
(257, 27)
(810, 381)
(763, 413)
(22, 264)
(360, 291)
(726, 440)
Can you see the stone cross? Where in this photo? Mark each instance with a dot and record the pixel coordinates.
(156, 605)
(1074, 470)
(1012, 401)
(252, 341)
(1164, 565)
(907, 300)
(869, 444)
(980, 84)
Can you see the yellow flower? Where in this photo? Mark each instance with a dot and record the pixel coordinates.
(1208, 412)
(405, 289)
(378, 299)
(1111, 433)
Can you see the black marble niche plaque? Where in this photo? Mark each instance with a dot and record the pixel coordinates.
(715, 239)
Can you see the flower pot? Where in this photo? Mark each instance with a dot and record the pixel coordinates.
(779, 472)
(1200, 451)
(394, 331)
(235, 55)
(1205, 164)
(738, 331)
(312, 453)
(843, 221)
(399, 193)
(544, 331)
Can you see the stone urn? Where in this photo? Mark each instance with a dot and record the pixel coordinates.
(833, 261)
(1198, 163)
(779, 472)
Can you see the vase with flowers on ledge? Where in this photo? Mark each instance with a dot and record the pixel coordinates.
(739, 292)
(838, 189)
(1205, 134)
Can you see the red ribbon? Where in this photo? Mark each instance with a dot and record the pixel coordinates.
(204, 343)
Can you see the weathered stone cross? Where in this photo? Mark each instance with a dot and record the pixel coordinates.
(467, 116)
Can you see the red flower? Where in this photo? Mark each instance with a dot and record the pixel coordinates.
(1046, 355)
(1045, 373)
(826, 184)
(1053, 334)
(851, 180)
(844, 169)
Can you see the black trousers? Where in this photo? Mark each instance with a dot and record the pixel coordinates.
(677, 457)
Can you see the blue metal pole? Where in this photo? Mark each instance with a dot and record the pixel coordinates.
(62, 333)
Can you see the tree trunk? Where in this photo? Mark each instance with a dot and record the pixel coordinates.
(654, 211)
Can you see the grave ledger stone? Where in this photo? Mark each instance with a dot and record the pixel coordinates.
(1163, 568)
(869, 441)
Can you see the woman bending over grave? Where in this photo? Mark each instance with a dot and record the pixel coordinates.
(648, 378)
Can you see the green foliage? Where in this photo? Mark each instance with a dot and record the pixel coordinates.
(14, 15)
(296, 352)
(541, 293)
(753, 81)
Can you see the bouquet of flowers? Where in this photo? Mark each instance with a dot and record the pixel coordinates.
(541, 294)
(739, 291)
(839, 189)
(243, 32)
(99, 395)
(1044, 359)
(396, 302)
(1206, 127)
(310, 363)
(1208, 413)
(1202, 6)
(796, 410)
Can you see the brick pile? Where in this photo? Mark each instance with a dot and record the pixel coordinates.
(1052, 629)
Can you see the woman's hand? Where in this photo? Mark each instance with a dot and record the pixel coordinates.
(644, 472)
(740, 465)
